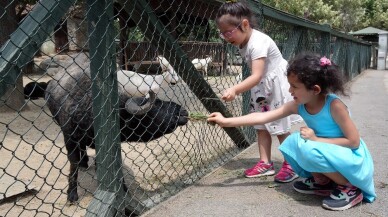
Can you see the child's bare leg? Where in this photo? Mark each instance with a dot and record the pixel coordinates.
(264, 142)
(282, 137)
(319, 185)
(320, 178)
(337, 178)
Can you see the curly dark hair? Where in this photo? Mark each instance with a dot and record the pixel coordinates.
(306, 66)
(238, 10)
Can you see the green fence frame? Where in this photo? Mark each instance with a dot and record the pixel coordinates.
(352, 55)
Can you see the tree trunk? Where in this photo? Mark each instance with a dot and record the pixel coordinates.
(13, 99)
(77, 28)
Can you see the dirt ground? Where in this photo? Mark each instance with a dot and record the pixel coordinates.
(33, 157)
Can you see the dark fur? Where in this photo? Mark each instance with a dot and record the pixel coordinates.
(71, 106)
(35, 90)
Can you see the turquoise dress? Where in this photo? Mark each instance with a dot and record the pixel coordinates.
(306, 156)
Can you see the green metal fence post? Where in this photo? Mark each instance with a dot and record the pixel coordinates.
(109, 198)
(28, 37)
(292, 43)
(249, 131)
(325, 41)
(352, 60)
(304, 43)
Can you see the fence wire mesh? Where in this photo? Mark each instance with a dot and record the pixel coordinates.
(48, 127)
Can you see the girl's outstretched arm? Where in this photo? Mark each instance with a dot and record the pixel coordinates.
(254, 118)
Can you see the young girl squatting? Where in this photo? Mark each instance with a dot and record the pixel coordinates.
(328, 152)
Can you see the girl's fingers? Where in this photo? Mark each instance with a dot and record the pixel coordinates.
(214, 114)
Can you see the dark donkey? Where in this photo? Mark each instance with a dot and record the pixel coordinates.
(69, 99)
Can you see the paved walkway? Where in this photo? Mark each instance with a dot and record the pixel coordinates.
(225, 192)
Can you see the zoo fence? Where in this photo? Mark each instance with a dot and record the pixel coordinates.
(63, 88)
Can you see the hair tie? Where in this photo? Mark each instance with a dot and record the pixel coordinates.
(325, 62)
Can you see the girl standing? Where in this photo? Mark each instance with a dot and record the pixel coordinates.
(328, 152)
(267, 83)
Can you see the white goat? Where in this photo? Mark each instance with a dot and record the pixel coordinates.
(202, 64)
(166, 66)
(139, 85)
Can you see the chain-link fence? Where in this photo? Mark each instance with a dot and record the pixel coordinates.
(102, 102)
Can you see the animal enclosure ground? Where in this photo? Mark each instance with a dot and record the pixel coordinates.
(33, 152)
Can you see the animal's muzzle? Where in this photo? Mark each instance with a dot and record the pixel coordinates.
(183, 117)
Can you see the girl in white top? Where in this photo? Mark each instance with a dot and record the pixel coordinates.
(268, 83)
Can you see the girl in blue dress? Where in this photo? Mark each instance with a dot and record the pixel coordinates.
(328, 152)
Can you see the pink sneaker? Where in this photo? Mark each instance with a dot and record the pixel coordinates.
(260, 169)
(286, 174)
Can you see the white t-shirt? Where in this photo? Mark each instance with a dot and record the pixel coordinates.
(272, 90)
(261, 45)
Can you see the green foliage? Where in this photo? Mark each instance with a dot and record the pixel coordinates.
(189, 32)
(378, 13)
(135, 35)
(318, 11)
(346, 15)
(214, 35)
(185, 32)
(350, 14)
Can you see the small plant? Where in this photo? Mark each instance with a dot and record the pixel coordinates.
(198, 116)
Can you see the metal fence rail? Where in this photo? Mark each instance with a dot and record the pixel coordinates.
(81, 134)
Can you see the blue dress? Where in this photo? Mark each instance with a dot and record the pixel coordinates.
(306, 156)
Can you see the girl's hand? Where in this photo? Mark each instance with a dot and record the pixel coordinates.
(308, 133)
(217, 118)
(229, 94)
